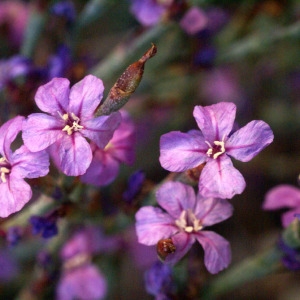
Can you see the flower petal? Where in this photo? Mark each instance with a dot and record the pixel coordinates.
(100, 130)
(182, 151)
(152, 225)
(282, 196)
(85, 96)
(175, 197)
(74, 154)
(40, 131)
(211, 211)
(248, 141)
(30, 164)
(217, 253)
(8, 133)
(183, 243)
(219, 179)
(289, 216)
(102, 170)
(53, 97)
(14, 194)
(215, 121)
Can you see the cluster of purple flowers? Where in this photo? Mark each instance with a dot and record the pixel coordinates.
(185, 215)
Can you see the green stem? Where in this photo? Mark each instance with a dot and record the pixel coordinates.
(249, 270)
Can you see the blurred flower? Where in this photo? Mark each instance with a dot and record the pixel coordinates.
(15, 166)
(8, 266)
(106, 162)
(44, 225)
(184, 220)
(291, 256)
(83, 283)
(149, 12)
(158, 280)
(135, 184)
(70, 121)
(13, 235)
(14, 17)
(212, 145)
(65, 9)
(12, 68)
(194, 20)
(284, 196)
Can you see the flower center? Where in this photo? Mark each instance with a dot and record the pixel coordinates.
(72, 123)
(4, 169)
(216, 150)
(188, 222)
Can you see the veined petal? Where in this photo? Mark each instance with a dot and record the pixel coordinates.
(14, 194)
(8, 133)
(182, 151)
(102, 170)
(175, 197)
(282, 196)
(217, 253)
(30, 164)
(248, 141)
(40, 131)
(100, 130)
(183, 243)
(212, 211)
(85, 96)
(74, 154)
(53, 96)
(152, 225)
(215, 121)
(220, 179)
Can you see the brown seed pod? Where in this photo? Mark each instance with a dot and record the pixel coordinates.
(165, 247)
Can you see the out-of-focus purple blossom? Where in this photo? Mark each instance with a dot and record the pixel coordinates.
(44, 225)
(15, 166)
(284, 196)
(205, 56)
(65, 9)
(106, 162)
(184, 218)
(59, 63)
(8, 267)
(291, 256)
(13, 235)
(149, 12)
(69, 122)
(14, 16)
(134, 186)
(158, 280)
(194, 20)
(12, 68)
(213, 145)
(83, 283)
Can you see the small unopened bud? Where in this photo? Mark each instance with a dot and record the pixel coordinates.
(126, 85)
(165, 247)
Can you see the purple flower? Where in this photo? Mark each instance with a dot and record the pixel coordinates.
(185, 217)
(46, 226)
(290, 257)
(84, 282)
(212, 145)
(149, 12)
(15, 166)
(158, 280)
(69, 122)
(194, 20)
(284, 196)
(105, 165)
(135, 184)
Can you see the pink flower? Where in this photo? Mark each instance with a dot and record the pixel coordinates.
(106, 162)
(15, 166)
(284, 196)
(213, 145)
(69, 122)
(184, 220)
